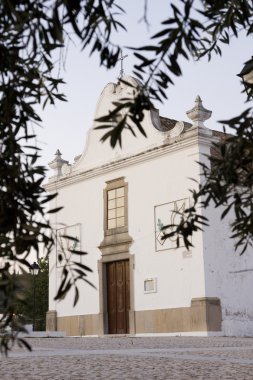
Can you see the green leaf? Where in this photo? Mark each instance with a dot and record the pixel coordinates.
(54, 210)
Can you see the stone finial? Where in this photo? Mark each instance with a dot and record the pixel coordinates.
(198, 114)
(57, 164)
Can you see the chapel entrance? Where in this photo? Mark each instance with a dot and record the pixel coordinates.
(118, 296)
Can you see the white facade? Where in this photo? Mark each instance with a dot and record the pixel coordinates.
(167, 290)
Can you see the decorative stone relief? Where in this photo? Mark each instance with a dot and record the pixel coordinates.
(198, 114)
(177, 130)
(170, 133)
(155, 118)
(77, 158)
(57, 164)
(168, 214)
(66, 169)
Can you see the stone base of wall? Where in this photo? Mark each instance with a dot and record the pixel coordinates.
(204, 314)
(79, 325)
(51, 320)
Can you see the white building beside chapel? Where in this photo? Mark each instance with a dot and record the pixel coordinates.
(115, 202)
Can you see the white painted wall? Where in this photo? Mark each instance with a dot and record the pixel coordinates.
(150, 183)
(228, 276)
(82, 204)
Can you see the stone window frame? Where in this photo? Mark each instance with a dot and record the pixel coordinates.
(112, 185)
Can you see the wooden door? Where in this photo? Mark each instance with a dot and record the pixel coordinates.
(118, 296)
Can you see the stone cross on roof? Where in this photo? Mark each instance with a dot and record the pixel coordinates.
(121, 58)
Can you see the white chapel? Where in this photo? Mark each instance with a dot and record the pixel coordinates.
(116, 202)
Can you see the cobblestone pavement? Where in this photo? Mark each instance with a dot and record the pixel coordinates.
(130, 358)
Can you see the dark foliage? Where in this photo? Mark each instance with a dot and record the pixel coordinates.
(31, 33)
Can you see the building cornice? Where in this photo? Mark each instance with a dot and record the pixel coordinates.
(196, 136)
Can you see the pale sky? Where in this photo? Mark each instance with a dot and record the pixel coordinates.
(65, 125)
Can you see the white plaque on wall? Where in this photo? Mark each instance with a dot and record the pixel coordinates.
(150, 285)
